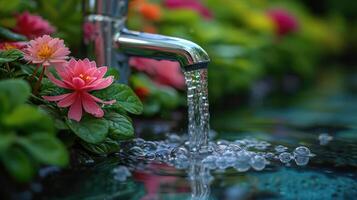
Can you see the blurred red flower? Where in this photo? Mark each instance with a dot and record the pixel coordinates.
(163, 72)
(12, 45)
(284, 21)
(32, 26)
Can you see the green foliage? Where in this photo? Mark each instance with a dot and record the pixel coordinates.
(7, 35)
(160, 99)
(90, 129)
(119, 126)
(124, 96)
(10, 56)
(66, 17)
(27, 134)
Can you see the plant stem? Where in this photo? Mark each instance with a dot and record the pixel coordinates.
(34, 73)
(38, 83)
(7, 67)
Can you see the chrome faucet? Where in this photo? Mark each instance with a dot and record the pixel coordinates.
(110, 43)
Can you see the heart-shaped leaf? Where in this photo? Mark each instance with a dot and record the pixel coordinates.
(119, 126)
(90, 129)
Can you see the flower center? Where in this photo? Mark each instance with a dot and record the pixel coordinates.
(85, 77)
(45, 52)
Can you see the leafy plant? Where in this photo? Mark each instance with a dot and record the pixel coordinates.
(27, 136)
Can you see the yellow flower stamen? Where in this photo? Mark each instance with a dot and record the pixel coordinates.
(85, 78)
(45, 52)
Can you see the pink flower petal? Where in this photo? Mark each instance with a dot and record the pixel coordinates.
(75, 111)
(100, 84)
(101, 101)
(90, 106)
(56, 98)
(67, 101)
(56, 81)
(78, 83)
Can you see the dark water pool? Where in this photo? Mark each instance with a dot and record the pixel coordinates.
(331, 174)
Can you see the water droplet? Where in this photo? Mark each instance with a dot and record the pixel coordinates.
(162, 154)
(210, 162)
(301, 160)
(121, 173)
(302, 151)
(137, 151)
(285, 157)
(149, 146)
(221, 162)
(242, 162)
(150, 156)
(258, 162)
(325, 138)
(280, 148)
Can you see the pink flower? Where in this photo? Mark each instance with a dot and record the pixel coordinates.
(89, 32)
(81, 77)
(163, 72)
(189, 4)
(47, 51)
(12, 45)
(32, 26)
(285, 22)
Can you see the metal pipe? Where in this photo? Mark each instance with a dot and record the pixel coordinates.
(110, 43)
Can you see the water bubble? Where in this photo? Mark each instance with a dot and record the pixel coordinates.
(162, 154)
(280, 148)
(149, 146)
(210, 162)
(138, 141)
(137, 151)
(121, 173)
(324, 138)
(285, 157)
(150, 156)
(269, 155)
(258, 162)
(182, 162)
(302, 151)
(221, 162)
(242, 162)
(301, 160)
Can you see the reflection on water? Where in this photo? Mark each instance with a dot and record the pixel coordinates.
(200, 179)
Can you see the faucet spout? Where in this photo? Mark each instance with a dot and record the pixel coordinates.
(190, 55)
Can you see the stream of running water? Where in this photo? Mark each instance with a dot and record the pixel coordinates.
(198, 109)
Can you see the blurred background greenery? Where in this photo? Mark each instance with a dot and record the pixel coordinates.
(257, 47)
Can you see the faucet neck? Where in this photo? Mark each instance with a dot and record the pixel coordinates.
(102, 20)
(115, 9)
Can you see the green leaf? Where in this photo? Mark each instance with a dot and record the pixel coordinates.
(45, 148)
(9, 35)
(6, 139)
(16, 90)
(124, 96)
(90, 129)
(119, 126)
(18, 164)
(108, 146)
(10, 55)
(22, 115)
(113, 72)
(9, 6)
